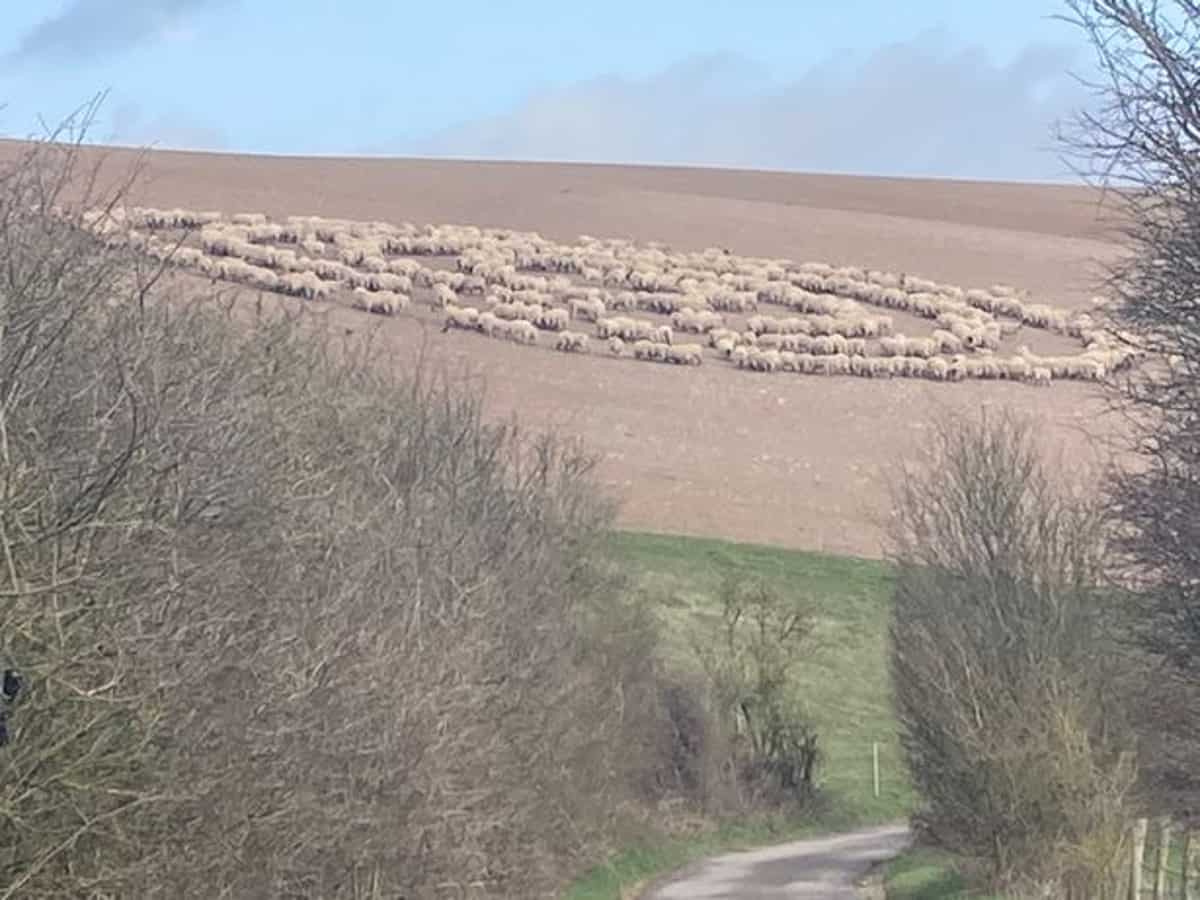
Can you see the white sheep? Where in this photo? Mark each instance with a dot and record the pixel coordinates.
(685, 354)
(588, 309)
(552, 319)
(386, 303)
(304, 284)
(443, 296)
(465, 317)
(571, 342)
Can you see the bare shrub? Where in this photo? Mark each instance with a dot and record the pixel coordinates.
(291, 623)
(1006, 703)
(751, 671)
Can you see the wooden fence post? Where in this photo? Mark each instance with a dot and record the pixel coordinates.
(1161, 852)
(875, 765)
(1137, 858)
(1185, 857)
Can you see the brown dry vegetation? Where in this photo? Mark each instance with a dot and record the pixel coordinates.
(794, 462)
(292, 621)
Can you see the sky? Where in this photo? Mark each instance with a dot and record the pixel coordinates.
(930, 88)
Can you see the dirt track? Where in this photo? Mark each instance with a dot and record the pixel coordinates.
(794, 461)
(821, 869)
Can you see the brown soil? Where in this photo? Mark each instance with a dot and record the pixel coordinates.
(781, 459)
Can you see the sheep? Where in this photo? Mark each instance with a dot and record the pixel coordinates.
(387, 303)
(1017, 368)
(1041, 376)
(761, 325)
(765, 360)
(796, 343)
(623, 301)
(947, 342)
(823, 346)
(879, 366)
(521, 331)
(248, 219)
(725, 347)
(616, 346)
(916, 366)
(697, 321)
(720, 334)
(304, 284)
(553, 319)
(490, 324)
(839, 364)
(571, 342)
(443, 296)
(588, 309)
(685, 354)
(651, 350)
(956, 370)
(607, 327)
(465, 317)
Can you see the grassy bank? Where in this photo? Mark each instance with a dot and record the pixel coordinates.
(922, 874)
(843, 681)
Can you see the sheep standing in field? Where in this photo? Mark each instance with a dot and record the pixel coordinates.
(571, 342)
(616, 346)
(552, 319)
(250, 219)
(304, 284)
(385, 303)
(685, 354)
(464, 317)
(521, 331)
(444, 296)
(587, 309)
(645, 349)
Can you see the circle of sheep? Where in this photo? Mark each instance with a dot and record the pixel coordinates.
(823, 320)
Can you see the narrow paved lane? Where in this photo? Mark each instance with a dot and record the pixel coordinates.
(817, 869)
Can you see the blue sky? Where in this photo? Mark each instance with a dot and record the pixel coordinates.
(957, 88)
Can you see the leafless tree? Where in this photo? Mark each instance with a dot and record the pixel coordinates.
(1141, 142)
(997, 660)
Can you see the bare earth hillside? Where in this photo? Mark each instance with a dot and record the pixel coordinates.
(710, 450)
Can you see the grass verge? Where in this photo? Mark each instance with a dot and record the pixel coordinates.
(843, 683)
(923, 874)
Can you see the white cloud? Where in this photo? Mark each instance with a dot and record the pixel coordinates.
(919, 107)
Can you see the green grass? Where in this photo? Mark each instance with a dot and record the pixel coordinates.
(843, 681)
(923, 875)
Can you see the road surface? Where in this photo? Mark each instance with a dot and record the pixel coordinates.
(826, 868)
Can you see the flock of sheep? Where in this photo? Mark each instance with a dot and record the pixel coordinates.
(629, 300)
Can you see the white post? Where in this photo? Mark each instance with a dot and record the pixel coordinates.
(875, 765)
